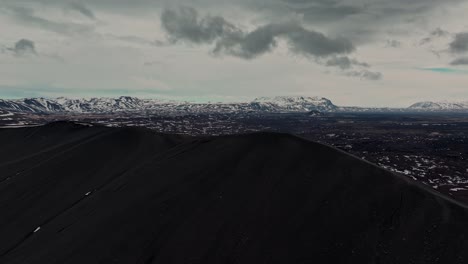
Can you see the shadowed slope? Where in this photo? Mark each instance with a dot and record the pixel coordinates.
(107, 195)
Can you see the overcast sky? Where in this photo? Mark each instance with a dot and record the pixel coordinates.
(354, 52)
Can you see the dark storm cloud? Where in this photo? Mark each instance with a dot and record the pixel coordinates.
(345, 63)
(460, 43)
(185, 25)
(27, 16)
(24, 47)
(82, 9)
(460, 61)
(264, 39)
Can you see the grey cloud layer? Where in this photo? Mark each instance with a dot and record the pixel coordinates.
(363, 21)
(460, 43)
(185, 25)
(460, 61)
(28, 17)
(358, 20)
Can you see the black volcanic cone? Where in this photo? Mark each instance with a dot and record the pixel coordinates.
(77, 194)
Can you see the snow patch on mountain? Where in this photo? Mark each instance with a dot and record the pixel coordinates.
(5, 114)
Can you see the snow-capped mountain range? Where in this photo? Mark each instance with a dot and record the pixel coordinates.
(63, 105)
(127, 104)
(293, 104)
(279, 104)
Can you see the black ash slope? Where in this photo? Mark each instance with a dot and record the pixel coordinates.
(76, 194)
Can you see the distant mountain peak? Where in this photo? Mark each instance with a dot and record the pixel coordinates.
(296, 103)
(290, 99)
(440, 106)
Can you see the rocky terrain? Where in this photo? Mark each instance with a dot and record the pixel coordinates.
(82, 193)
(429, 146)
